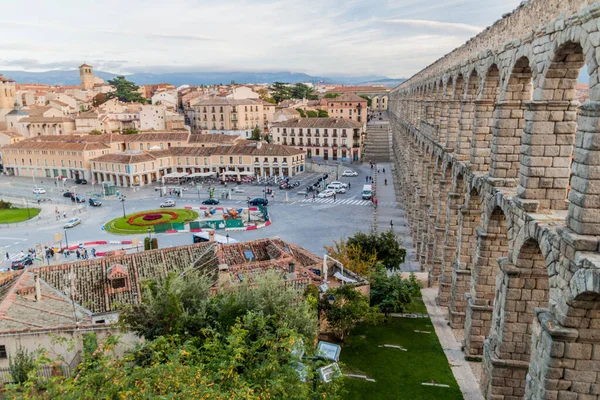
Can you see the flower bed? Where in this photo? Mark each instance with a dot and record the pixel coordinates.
(153, 218)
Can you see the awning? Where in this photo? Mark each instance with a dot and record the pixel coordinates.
(343, 278)
(230, 173)
(249, 173)
(176, 175)
(197, 174)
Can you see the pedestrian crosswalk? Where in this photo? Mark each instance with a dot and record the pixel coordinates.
(353, 202)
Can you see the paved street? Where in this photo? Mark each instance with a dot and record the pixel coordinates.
(300, 220)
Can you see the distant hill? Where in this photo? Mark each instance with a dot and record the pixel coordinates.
(71, 77)
(385, 82)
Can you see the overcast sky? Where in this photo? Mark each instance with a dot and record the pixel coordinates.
(395, 38)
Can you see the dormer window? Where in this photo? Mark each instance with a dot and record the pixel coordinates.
(118, 278)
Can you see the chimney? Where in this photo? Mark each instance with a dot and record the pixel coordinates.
(38, 289)
(211, 236)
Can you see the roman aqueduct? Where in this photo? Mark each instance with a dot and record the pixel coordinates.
(498, 166)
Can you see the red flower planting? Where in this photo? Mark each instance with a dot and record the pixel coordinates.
(152, 218)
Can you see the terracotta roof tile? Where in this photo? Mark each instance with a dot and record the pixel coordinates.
(318, 123)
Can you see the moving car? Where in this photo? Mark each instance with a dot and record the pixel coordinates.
(21, 262)
(68, 194)
(259, 201)
(81, 181)
(367, 192)
(210, 201)
(342, 184)
(337, 187)
(168, 203)
(72, 222)
(38, 190)
(95, 202)
(326, 193)
(349, 172)
(78, 199)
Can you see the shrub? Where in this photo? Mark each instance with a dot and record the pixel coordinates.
(151, 217)
(5, 205)
(164, 217)
(21, 365)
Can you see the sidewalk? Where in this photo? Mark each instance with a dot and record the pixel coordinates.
(469, 386)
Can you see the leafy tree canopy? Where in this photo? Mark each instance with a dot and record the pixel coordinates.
(311, 114)
(384, 245)
(255, 134)
(331, 95)
(391, 293)
(95, 132)
(323, 114)
(125, 91)
(302, 113)
(364, 96)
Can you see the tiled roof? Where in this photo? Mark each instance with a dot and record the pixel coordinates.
(35, 111)
(345, 89)
(55, 145)
(157, 136)
(345, 98)
(132, 158)
(213, 138)
(318, 123)
(222, 101)
(249, 149)
(50, 120)
(60, 103)
(4, 79)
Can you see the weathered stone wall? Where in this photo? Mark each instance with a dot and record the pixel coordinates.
(500, 173)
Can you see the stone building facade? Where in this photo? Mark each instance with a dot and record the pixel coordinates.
(498, 166)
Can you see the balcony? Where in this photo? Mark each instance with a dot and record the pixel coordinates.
(265, 163)
(234, 118)
(284, 134)
(356, 137)
(284, 164)
(275, 163)
(356, 146)
(256, 163)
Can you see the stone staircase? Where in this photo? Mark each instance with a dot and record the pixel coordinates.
(378, 144)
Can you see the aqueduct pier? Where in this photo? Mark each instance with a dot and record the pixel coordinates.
(499, 166)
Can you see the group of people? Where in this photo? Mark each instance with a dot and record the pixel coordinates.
(58, 214)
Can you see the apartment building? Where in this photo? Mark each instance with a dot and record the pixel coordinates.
(326, 138)
(230, 116)
(159, 118)
(348, 106)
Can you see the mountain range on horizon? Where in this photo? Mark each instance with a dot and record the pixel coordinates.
(71, 77)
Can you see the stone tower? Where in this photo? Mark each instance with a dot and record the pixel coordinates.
(7, 98)
(86, 76)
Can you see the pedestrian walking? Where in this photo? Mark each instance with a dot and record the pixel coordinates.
(349, 185)
(367, 179)
(78, 254)
(385, 180)
(64, 214)
(306, 195)
(392, 224)
(313, 196)
(7, 256)
(376, 203)
(93, 252)
(377, 170)
(334, 197)
(85, 254)
(384, 170)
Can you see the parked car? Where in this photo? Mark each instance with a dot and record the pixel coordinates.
(81, 181)
(68, 194)
(95, 202)
(72, 222)
(349, 172)
(38, 190)
(326, 193)
(78, 199)
(342, 184)
(210, 201)
(22, 262)
(168, 203)
(259, 201)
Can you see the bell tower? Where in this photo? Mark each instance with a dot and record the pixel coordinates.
(86, 76)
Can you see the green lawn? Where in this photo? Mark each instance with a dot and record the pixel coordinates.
(398, 374)
(120, 225)
(416, 306)
(17, 215)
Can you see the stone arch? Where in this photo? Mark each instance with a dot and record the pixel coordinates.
(520, 288)
(453, 118)
(545, 164)
(467, 116)
(491, 84)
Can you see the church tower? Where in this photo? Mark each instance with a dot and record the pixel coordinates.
(8, 96)
(86, 76)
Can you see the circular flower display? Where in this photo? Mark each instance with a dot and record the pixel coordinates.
(152, 218)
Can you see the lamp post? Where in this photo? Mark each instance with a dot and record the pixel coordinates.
(227, 236)
(248, 201)
(149, 233)
(66, 239)
(122, 199)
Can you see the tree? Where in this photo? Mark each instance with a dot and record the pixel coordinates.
(95, 132)
(280, 91)
(255, 134)
(323, 114)
(267, 138)
(5, 205)
(354, 257)
(383, 244)
(312, 114)
(331, 95)
(364, 96)
(99, 99)
(392, 293)
(348, 309)
(303, 91)
(302, 113)
(130, 131)
(125, 91)
(21, 365)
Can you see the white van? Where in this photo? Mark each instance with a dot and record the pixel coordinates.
(367, 192)
(338, 187)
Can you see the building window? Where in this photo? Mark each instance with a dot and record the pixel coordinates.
(118, 283)
(3, 353)
(230, 160)
(221, 160)
(240, 161)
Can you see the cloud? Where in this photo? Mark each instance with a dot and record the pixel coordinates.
(435, 25)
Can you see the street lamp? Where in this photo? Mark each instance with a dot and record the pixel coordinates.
(149, 233)
(122, 199)
(227, 236)
(248, 201)
(66, 238)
